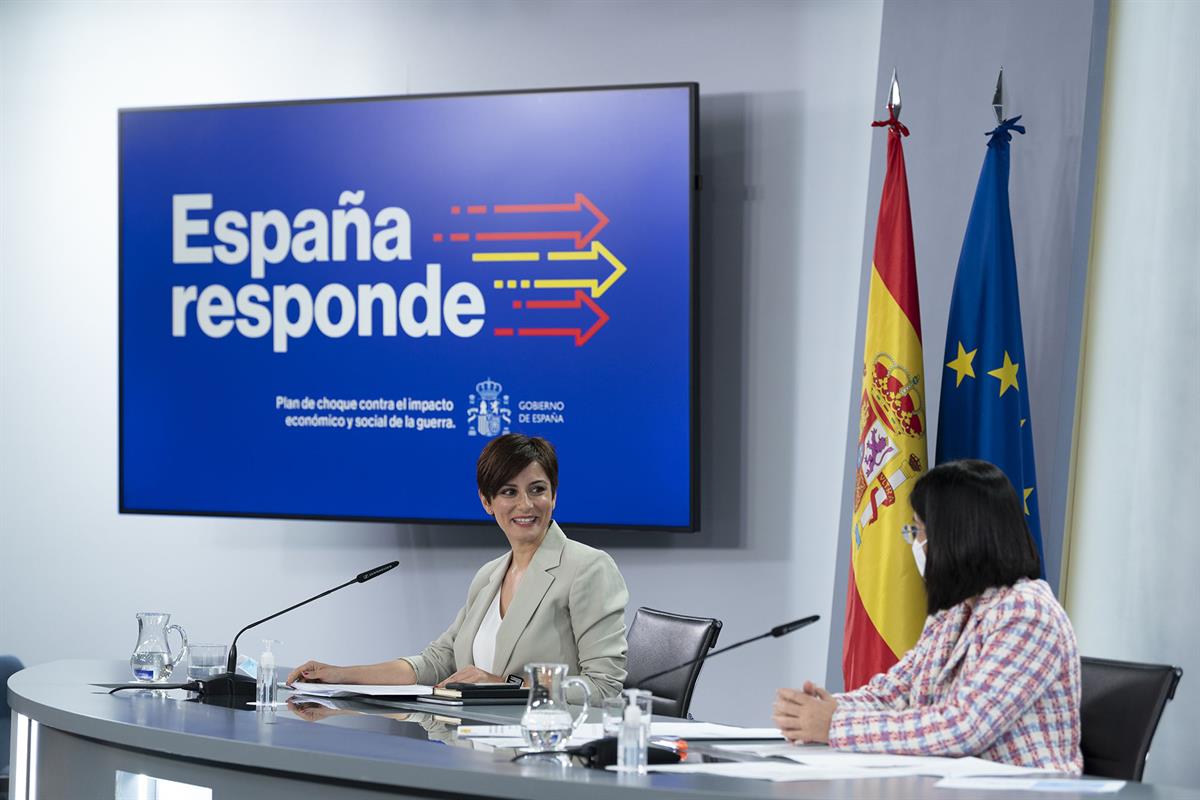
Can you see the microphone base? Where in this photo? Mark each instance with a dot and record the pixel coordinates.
(602, 753)
(229, 684)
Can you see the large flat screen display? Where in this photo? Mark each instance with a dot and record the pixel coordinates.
(329, 307)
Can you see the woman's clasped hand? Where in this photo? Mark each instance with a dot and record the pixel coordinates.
(804, 715)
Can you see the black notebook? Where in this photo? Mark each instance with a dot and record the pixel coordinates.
(478, 694)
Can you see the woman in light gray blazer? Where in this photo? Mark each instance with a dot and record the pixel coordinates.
(547, 599)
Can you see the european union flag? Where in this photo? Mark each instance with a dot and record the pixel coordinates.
(984, 410)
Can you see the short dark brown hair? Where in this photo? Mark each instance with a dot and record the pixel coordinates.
(506, 456)
(976, 532)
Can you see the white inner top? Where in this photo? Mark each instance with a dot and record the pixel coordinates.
(483, 650)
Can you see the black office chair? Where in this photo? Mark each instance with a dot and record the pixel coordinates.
(1121, 705)
(659, 640)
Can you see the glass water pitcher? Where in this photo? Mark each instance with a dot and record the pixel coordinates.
(547, 723)
(152, 659)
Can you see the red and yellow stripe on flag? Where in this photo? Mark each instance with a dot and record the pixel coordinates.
(885, 608)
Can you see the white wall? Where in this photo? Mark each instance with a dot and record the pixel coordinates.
(1132, 590)
(787, 91)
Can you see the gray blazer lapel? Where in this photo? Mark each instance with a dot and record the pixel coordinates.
(464, 642)
(533, 588)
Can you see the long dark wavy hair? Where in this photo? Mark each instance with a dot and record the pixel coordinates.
(976, 532)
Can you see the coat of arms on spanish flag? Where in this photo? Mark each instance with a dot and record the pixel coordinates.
(885, 607)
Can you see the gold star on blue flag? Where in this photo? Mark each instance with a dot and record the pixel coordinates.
(987, 417)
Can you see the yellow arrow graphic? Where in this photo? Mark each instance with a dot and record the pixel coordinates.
(506, 256)
(594, 285)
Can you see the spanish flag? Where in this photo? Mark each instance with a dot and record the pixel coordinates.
(885, 608)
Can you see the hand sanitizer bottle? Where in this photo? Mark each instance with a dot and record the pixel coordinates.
(266, 692)
(632, 740)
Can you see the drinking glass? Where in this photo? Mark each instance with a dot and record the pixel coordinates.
(613, 712)
(207, 661)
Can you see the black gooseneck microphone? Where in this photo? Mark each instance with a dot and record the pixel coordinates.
(230, 684)
(777, 631)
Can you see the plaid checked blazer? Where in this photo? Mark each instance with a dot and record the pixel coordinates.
(1000, 682)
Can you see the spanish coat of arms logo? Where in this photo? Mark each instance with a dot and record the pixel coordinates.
(892, 411)
(488, 413)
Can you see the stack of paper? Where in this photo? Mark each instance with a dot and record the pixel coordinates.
(780, 771)
(823, 757)
(1071, 785)
(818, 762)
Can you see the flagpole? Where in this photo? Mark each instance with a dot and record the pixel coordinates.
(998, 97)
(893, 103)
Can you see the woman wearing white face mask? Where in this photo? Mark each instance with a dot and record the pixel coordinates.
(915, 536)
(995, 673)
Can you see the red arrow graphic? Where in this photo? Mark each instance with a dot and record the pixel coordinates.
(581, 239)
(581, 336)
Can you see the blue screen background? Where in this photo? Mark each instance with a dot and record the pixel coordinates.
(200, 430)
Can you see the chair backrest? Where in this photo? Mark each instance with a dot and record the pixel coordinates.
(659, 640)
(1118, 713)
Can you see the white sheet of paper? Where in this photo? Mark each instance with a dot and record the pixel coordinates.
(778, 771)
(1072, 785)
(711, 730)
(820, 755)
(823, 757)
(360, 689)
(976, 767)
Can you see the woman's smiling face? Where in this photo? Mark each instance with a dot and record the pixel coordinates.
(524, 505)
